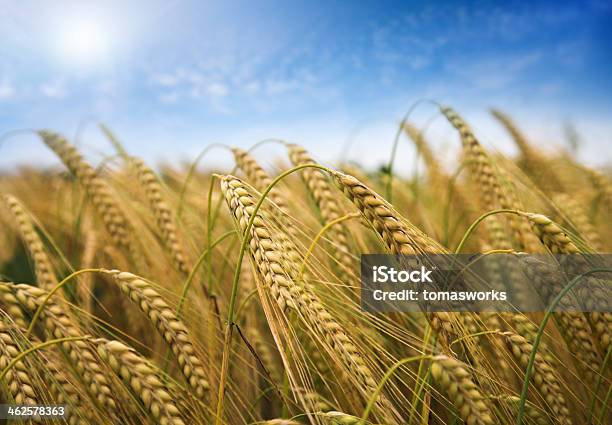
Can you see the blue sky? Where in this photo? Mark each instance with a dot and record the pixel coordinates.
(170, 77)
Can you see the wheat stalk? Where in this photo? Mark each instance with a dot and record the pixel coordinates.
(142, 378)
(527, 329)
(433, 166)
(169, 325)
(316, 403)
(65, 392)
(259, 177)
(535, 415)
(550, 234)
(18, 380)
(163, 214)
(454, 378)
(98, 190)
(11, 306)
(532, 157)
(90, 244)
(268, 260)
(401, 237)
(61, 325)
(602, 184)
(261, 180)
(321, 191)
(264, 353)
(43, 268)
(594, 299)
(577, 216)
(493, 193)
(543, 377)
(436, 174)
(341, 418)
(574, 326)
(535, 162)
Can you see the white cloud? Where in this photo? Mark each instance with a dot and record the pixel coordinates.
(169, 98)
(166, 80)
(190, 76)
(252, 88)
(495, 72)
(217, 89)
(54, 90)
(178, 77)
(187, 82)
(280, 86)
(7, 91)
(106, 87)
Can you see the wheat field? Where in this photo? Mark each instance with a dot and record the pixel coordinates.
(186, 295)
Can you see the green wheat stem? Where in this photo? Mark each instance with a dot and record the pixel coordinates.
(56, 288)
(229, 326)
(538, 337)
(598, 385)
(319, 235)
(473, 226)
(37, 347)
(385, 378)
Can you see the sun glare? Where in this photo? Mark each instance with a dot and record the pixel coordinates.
(83, 42)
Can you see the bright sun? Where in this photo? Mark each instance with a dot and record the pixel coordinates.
(83, 42)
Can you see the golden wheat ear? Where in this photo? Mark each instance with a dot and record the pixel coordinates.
(100, 193)
(170, 327)
(142, 378)
(18, 380)
(543, 377)
(454, 378)
(288, 293)
(45, 274)
(323, 194)
(164, 215)
(58, 323)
